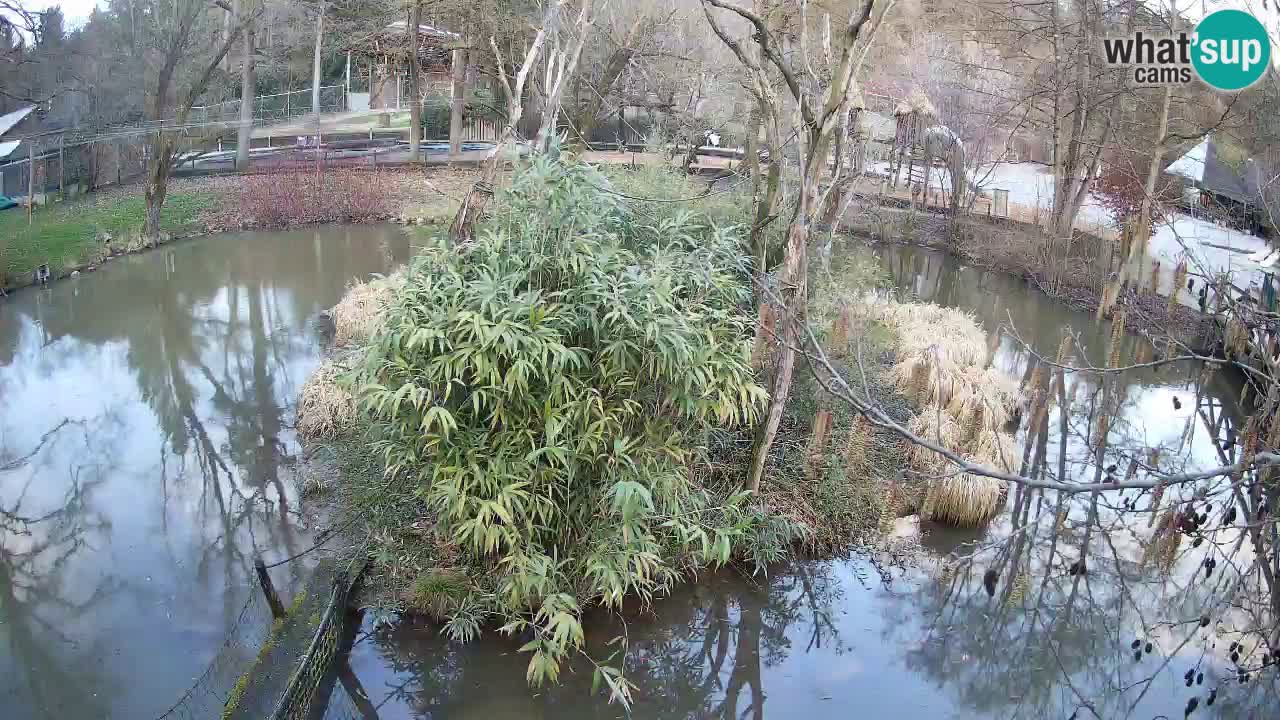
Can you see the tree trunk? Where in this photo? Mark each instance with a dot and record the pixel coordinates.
(477, 198)
(157, 186)
(315, 65)
(415, 93)
(456, 102)
(248, 92)
(793, 291)
(1142, 230)
(590, 107)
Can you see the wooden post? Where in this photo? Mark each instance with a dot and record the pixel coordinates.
(277, 608)
(62, 174)
(31, 179)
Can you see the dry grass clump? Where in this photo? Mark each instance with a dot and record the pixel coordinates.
(954, 336)
(959, 498)
(916, 101)
(927, 377)
(942, 365)
(325, 408)
(984, 400)
(938, 427)
(357, 317)
(964, 500)
(996, 449)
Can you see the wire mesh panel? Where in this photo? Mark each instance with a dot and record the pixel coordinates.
(313, 680)
(229, 670)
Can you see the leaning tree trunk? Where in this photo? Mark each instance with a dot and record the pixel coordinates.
(792, 291)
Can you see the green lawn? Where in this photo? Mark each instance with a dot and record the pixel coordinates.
(65, 234)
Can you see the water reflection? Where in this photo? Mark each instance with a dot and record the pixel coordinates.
(728, 647)
(145, 455)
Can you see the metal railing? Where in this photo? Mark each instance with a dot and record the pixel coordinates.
(273, 108)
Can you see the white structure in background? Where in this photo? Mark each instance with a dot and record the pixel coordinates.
(7, 123)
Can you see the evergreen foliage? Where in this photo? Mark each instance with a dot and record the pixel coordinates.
(551, 388)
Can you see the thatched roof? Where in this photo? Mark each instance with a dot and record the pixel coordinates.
(916, 102)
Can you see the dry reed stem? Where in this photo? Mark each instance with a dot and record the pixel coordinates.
(857, 444)
(361, 312)
(764, 335)
(325, 408)
(1179, 277)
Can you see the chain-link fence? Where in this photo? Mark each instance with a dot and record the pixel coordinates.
(273, 108)
(313, 680)
(229, 671)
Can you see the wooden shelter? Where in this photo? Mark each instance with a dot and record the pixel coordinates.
(381, 59)
(912, 117)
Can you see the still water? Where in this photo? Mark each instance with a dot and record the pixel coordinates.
(146, 453)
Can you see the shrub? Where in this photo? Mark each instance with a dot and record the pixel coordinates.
(550, 389)
(302, 197)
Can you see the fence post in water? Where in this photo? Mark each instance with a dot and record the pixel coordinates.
(277, 608)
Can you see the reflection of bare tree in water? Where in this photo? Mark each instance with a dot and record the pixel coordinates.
(1135, 570)
(41, 663)
(183, 351)
(704, 657)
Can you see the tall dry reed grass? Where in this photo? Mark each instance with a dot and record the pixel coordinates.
(943, 358)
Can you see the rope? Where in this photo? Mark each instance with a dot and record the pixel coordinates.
(324, 537)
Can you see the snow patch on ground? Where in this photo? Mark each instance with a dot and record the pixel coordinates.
(1209, 248)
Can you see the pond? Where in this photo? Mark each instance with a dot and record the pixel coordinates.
(146, 454)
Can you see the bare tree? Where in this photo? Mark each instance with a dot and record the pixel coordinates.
(562, 60)
(821, 104)
(183, 68)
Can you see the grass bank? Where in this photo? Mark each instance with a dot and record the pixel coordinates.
(70, 236)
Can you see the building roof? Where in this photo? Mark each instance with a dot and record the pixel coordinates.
(424, 30)
(8, 120)
(1219, 168)
(7, 148)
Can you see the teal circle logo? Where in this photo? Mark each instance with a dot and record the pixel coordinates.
(1231, 50)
